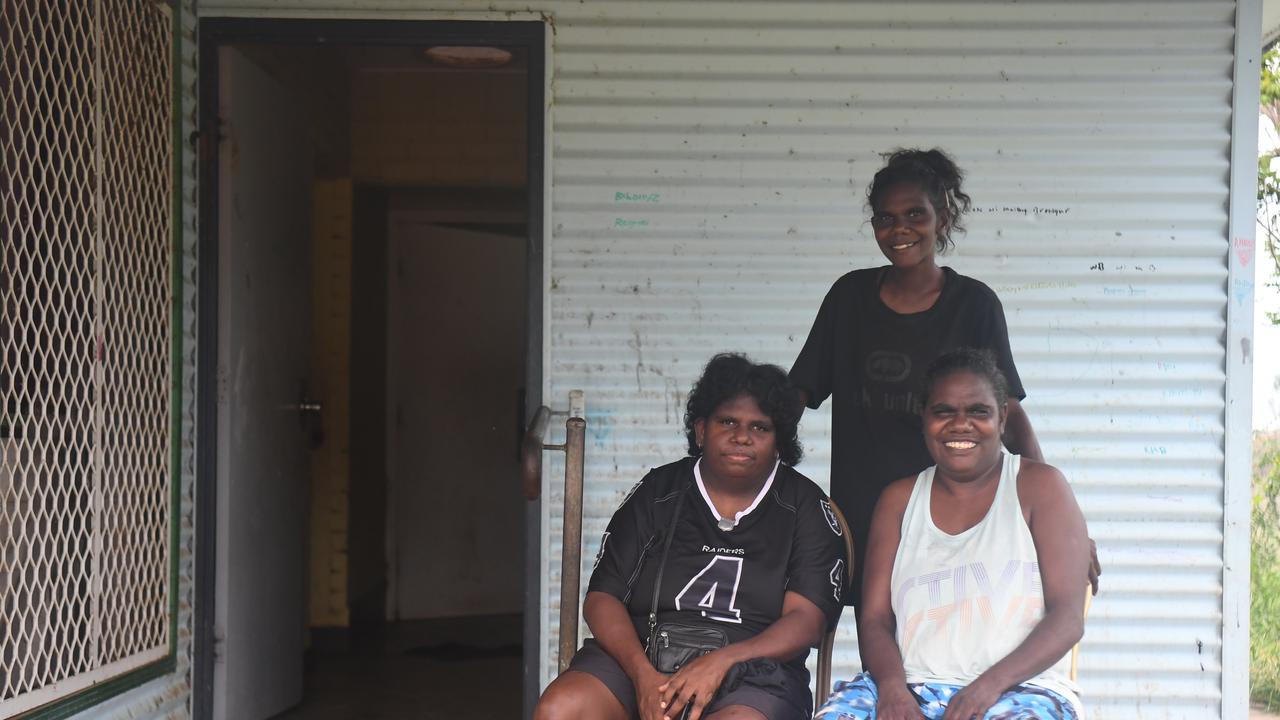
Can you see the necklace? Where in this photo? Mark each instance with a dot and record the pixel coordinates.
(726, 524)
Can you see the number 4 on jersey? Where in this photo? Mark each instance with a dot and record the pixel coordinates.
(714, 590)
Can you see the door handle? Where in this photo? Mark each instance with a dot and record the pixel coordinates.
(531, 453)
(310, 417)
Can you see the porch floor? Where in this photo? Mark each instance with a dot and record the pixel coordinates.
(460, 669)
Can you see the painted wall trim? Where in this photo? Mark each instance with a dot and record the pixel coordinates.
(375, 14)
(1238, 447)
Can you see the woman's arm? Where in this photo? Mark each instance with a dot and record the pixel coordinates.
(622, 553)
(1060, 535)
(877, 626)
(795, 631)
(611, 626)
(1019, 436)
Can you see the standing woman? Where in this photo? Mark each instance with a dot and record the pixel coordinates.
(879, 328)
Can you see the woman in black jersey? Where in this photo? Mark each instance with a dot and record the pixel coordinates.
(755, 552)
(879, 328)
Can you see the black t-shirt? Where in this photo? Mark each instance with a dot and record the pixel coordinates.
(871, 361)
(734, 579)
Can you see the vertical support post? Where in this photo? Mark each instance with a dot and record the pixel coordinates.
(1237, 493)
(571, 548)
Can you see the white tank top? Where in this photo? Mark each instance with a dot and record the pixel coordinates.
(963, 602)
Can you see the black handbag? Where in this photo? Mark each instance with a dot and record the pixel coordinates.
(672, 645)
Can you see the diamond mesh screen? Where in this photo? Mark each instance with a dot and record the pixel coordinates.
(85, 288)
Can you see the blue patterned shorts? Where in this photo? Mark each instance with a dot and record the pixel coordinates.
(856, 700)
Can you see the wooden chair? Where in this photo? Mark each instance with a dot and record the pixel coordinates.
(823, 684)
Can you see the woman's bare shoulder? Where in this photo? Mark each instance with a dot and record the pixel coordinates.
(895, 497)
(1042, 484)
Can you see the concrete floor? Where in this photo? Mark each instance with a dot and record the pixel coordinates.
(474, 672)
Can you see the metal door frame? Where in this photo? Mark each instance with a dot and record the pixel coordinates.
(217, 32)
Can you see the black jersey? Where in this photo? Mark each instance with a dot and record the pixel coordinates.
(734, 579)
(871, 361)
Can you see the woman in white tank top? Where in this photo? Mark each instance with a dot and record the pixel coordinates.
(973, 590)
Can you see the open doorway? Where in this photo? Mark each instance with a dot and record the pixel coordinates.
(371, 299)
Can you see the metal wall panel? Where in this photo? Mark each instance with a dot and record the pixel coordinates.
(709, 163)
(709, 177)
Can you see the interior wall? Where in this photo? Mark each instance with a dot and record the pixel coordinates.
(331, 226)
(416, 125)
(317, 80)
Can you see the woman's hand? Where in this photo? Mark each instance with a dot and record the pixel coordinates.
(972, 701)
(898, 704)
(695, 684)
(648, 686)
(609, 622)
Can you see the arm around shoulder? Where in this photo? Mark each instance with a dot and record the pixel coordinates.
(1019, 436)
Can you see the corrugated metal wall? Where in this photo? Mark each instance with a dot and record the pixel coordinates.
(710, 162)
(709, 166)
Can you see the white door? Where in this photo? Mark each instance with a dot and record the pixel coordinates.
(455, 331)
(263, 334)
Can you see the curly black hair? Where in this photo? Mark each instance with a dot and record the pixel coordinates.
(979, 362)
(934, 172)
(729, 375)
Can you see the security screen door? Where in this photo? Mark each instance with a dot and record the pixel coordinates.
(86, 250)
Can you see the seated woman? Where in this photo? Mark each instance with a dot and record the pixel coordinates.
(755, 552)
(975, 573)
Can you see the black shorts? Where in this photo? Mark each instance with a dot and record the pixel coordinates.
(777, 691)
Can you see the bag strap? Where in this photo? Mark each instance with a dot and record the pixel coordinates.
(657, 580)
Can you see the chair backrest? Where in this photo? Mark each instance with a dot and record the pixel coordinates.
(823, 684)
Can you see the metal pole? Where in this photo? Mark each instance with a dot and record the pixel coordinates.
(571, 556)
